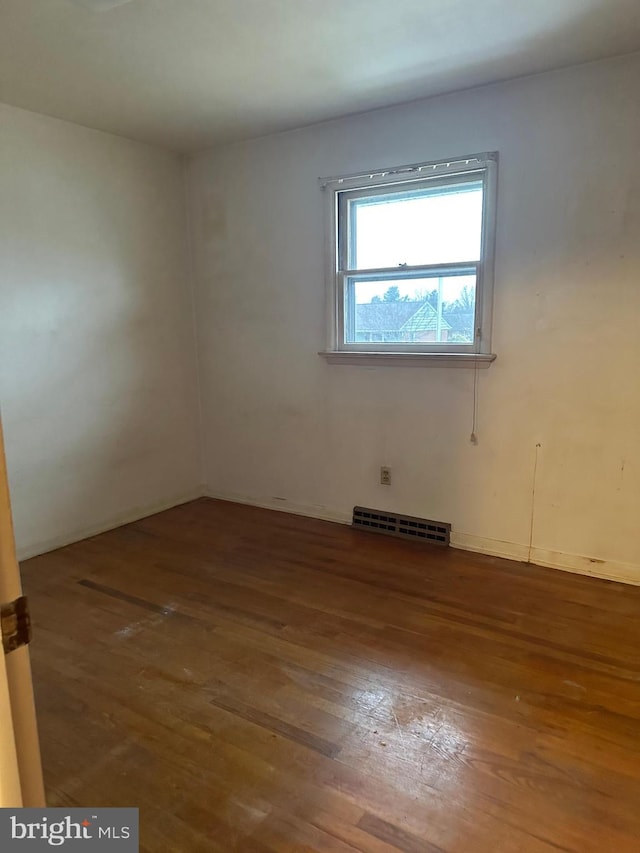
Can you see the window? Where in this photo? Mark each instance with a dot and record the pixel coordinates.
(412, 259)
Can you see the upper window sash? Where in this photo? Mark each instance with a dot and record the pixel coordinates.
(346, 227)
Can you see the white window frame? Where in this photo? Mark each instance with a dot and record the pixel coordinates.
(340, 190)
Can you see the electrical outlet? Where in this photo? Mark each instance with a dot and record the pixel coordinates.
(385, 475)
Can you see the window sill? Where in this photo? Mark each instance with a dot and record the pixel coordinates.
(480, 361)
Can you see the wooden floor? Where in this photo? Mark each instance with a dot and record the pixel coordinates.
(257, 682)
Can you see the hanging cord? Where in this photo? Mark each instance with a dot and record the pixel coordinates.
(533, 500)
(473, 438)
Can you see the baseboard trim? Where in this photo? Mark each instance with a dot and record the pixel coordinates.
(491, 547)
(611, 570)
(283, 505)
(134, 514)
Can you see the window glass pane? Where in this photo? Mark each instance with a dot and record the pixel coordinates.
(434, 310)
(415, 227)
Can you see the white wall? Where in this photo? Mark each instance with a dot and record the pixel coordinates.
(97, 360)
(283, 428)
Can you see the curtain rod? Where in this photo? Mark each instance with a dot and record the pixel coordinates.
(434, 165)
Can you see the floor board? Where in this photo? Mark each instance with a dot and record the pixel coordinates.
(264, 683)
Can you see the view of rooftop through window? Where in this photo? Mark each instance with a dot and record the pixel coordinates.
(437, 310)
(401, 230)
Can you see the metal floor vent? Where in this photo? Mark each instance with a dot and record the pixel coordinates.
(407, 526)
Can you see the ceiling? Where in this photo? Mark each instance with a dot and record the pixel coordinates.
(188, 74)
